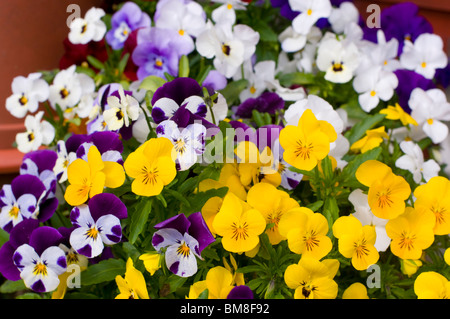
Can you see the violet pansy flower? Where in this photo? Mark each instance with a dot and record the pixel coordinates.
(97, 224)
(183, 239)
(129, 18)
(156, 53)
(267, 102)
(41, 261)
(240, 292)
(24, 198)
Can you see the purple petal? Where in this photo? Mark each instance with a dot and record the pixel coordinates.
(107, 141)
(240, 292)
(74, 142)
(7, 267)
(43, 237)
(27, 184)
(21, 233)
(44, 159)
(38, 286)
(106, 203)
(200, 231)
(178, 222)
(47, 209)
(178, 90)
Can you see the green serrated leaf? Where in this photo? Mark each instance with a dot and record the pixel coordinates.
(104, 271)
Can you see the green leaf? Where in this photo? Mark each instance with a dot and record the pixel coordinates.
(4, 237)
(315, 206)
(123, 63)
(204, 294)
(152, 83)
(10, 286)
(289, 79)
(104, 271)
(233, 89)
(198, 200)
(183, 68)
(139, 218)
(331, 212)
(360, 128)
(265, 31)
(95, 62)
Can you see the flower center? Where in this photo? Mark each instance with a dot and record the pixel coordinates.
(30, 137)
(310, 240)
(406, 241)
(181, 32)
(337, 67)
(14, 212)
(92, 233)
(252, 89)
(240, 232)
(309, 12)
(373, 93)
(307, 289)
(384, 199)
(119, 115)
(424, 65)
(183, 249)
(226, 49)
(64, 93)
(430, 121)
(150, 176)
(23, 100)
(303, 150)
(158, 63)
(72, 258)
(361, 248)
(229, 6)
(40, 269)
(84, 28)
(439, 213)
(180, 146)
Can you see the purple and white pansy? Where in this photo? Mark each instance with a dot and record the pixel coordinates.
(189, 143)
(41, 261)
(183, 239)
(97, 224)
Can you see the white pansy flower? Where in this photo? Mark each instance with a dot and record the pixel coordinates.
(338, 59)
(258, 77)
(121, 110)
(413, 161)
(226, 13)
(229, 45)
(425, 55)
(68, 88)
(28, 92)
(37, 133)
(430, 109)
(311, 12)
(63, 161)
(87, 29)
(342, 16)
(373, 85)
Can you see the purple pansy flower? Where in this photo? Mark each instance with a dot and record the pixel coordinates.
(108, 144)
(400, 21)
(267, 102)
(181, 101)
(41, 163)
(97, 224)
(156, 53)
(129, 18)
(183, 239)
(240, 292)
(25, 198)
(407, 81)
(41, 261)
(18, 236)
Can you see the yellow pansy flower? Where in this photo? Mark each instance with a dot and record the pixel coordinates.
(313, 279)
(152, 262)
(132, 285)
(355, 291)
(307, 143)
(397, 113)
(387, 191)
(219, 282)
(356, 241)
(229, 177)
(272, 203)
(434, 196)
(306, 232)
(89, 178)
(411, 233)
(372, 139)
(432, 285)
(238, 224)
(152, 166)
(409, 266)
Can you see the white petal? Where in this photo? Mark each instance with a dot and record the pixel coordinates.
(110, 229)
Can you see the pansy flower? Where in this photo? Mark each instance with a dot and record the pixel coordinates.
(132, 285)
(152, 166)
(121, 110)
(28, 92)
(25, 198)
(18, 236)
(189, 143)
(89, 28)
(38, 132)
(97, 224)
(87, 178)
(130, 17)
(310, 12)
(431, 285)
(41, 261)
(218, 282)
(183, 239)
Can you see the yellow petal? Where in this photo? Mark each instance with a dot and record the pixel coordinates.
(370, 171)
(114, 174)
(95, 159)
